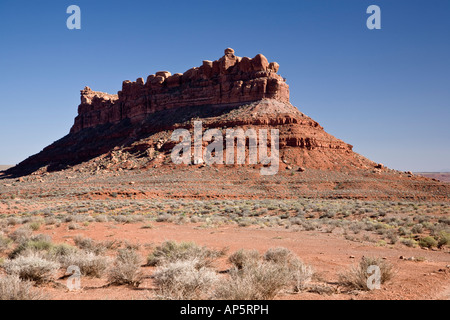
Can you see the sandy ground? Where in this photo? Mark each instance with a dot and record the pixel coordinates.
(327, 253)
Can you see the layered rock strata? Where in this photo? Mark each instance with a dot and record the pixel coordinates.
(231, 80)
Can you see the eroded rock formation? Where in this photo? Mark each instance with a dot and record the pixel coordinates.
(231, 92)
(231, 80)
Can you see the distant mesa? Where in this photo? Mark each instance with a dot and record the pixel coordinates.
(5, 167)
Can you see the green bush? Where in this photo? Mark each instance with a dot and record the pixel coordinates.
(444, 239)
(428, 242)
(31, 246)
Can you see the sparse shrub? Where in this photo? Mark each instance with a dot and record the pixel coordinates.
(392, 236)
(31, 246)
(254, 279)
(403, 231)
(21, 234)
(73, 226)
(90, 245)
(35, 225)
(356, 277)
(428, 242)
(181, 220)
(126, 269)
(57, 252)
(444, 239)
(184, 280)
(356, 227)
(164, 218)
(245, 222)
(13, 288)
(309, 226)
(68, 218)
(31, 267)
(418, 228)
(242, 258)
(283, 257)
(50, 221)
(278, 255)
(301, 274)
(101, 218)
(259, 281)
(194, 219)
(13, 221)
(171, 251)
(409, 242)
(41, 237)
(89, 263)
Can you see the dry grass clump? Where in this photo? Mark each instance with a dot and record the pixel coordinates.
(32, 266)
(184, 280)
(253, 278)
(126, 268)
(171, 251)
(13, 288)
(357, 276)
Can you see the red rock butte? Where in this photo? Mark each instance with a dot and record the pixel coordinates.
(231, 80)
(224, 93)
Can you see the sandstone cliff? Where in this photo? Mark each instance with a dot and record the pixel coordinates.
(231, 80)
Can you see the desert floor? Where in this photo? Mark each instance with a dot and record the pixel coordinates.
(329, 235)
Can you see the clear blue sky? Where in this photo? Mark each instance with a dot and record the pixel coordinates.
(387, 92)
